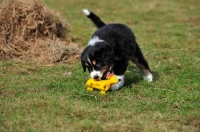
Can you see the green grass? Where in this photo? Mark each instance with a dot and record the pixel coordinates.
(54, 98)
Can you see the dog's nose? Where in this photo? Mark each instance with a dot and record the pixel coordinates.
(96, 77)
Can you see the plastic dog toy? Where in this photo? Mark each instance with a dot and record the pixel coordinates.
(102, 85)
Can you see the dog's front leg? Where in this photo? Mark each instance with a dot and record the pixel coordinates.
(119, 84)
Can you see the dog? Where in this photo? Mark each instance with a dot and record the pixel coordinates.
(110, 49)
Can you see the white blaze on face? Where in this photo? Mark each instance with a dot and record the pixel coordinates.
(95, 74)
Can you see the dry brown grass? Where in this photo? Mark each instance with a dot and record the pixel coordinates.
(30, 30)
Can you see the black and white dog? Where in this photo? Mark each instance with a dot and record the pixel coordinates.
(110, 49)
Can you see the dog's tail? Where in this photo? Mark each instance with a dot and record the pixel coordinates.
(95, 19)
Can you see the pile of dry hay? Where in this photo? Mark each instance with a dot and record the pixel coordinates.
(29, 30)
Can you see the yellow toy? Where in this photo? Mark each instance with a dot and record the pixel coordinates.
(102, 85)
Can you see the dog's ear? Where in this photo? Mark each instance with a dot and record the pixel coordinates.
(84, 61)
(84, 66)
(105, 53)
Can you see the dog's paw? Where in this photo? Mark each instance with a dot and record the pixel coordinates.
(119, 84)
(115, 87)
(149, 78)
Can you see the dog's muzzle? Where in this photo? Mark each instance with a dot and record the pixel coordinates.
(105, 74)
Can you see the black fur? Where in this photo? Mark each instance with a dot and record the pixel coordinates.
(96, 20)
(118, 47)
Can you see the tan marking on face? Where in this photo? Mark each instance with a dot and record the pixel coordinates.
(94, 62)
(86, 64)
(105, 69)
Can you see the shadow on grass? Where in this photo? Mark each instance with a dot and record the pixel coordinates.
(133, 76)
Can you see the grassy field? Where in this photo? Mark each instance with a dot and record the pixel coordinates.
(53, 97)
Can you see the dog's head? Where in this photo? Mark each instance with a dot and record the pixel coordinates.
(98, 59)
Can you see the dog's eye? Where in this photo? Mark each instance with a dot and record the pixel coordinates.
(98, 64)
